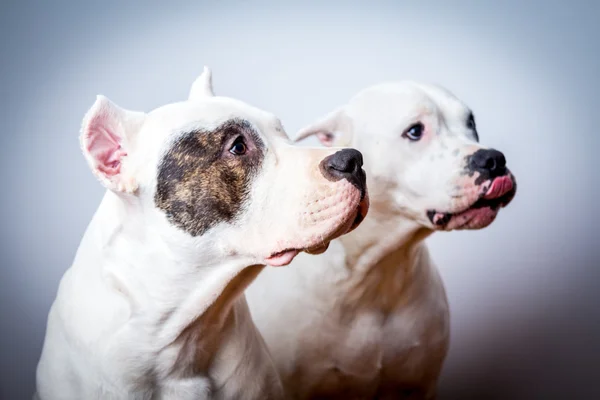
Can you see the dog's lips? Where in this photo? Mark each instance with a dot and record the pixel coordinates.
(319, 249)
(480, 213)
(282, 258)
(286, 256)
(361, 213)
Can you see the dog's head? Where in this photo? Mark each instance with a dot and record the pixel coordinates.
(424, 159)
(217, 176)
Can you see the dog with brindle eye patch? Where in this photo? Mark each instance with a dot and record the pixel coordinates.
(202, 194)
(369, 318)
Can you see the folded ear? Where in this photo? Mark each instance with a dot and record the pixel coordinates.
(106, 132)
(334, 129)
(202, 86)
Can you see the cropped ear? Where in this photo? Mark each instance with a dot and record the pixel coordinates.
(202, 86)
(334, 129)
(106, 132)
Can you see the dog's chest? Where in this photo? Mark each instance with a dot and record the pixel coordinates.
(357, 349)
(375, 350)
(372, 340)
(392, 325)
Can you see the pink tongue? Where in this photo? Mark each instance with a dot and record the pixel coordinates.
(499, 187)
(281, 259)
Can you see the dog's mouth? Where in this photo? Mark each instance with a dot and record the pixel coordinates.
(480, 213)
(284, 257)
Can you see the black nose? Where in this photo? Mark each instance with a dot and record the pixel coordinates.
(345, 164)
(488, 162)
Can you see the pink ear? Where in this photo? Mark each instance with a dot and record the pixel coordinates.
(106, 128)
(335, 128)
(103, 143)
(326, 138)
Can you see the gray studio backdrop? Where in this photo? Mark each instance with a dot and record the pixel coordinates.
(523, 292)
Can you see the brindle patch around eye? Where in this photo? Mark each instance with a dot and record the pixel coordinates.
(200, 184)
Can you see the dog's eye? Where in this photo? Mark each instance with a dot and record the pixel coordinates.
(471, 122)
(238, 147)
(414, 132)
(472, 127)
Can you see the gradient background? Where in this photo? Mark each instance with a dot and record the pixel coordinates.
(524, 298)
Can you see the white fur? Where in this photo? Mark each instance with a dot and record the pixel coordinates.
(148, 311)
(370, 316)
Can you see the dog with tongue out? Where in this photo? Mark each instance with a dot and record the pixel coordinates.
(369, 318)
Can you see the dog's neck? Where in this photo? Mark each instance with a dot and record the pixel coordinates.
(186, 301)
(381, 257)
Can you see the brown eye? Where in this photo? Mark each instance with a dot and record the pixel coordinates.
(414, 132)
(238, 148)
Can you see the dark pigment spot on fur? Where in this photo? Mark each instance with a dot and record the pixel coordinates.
(200, 183)
(440, 222)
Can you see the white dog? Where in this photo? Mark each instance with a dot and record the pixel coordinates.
(201, 195)
(369, 318)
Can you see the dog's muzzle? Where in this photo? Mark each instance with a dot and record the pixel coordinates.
(344, 164)
(498, 187)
